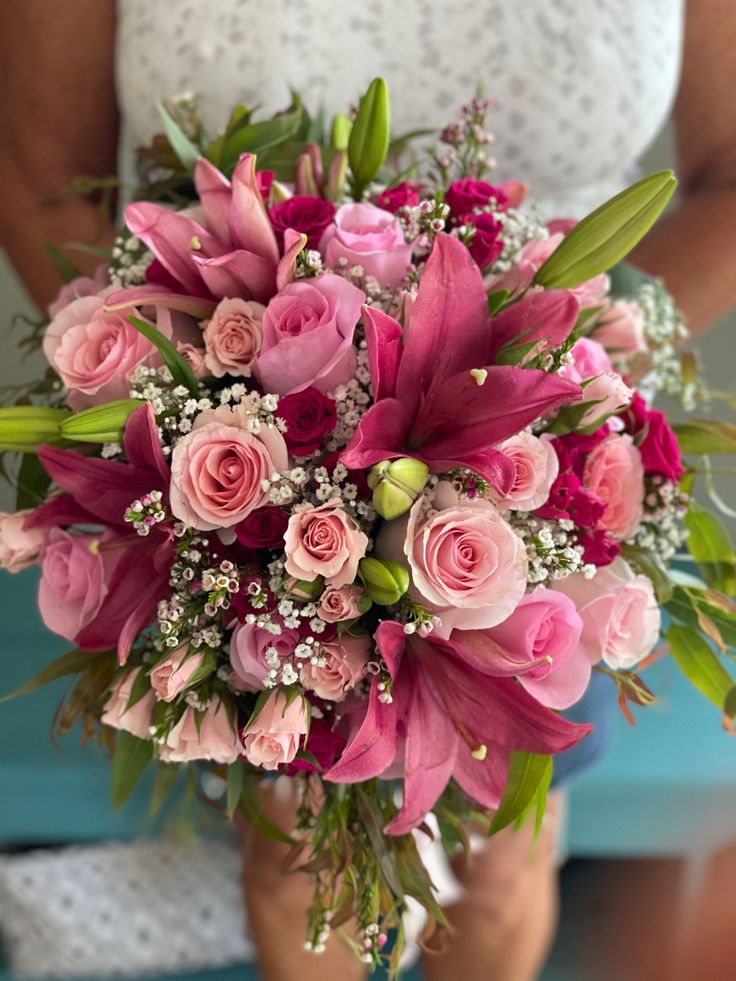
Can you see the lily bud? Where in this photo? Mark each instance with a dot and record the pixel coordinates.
(306, 178)
(304, 591)
(396, 484)
(385, 581)
(24, 427)
(337, 175)
(101, 423)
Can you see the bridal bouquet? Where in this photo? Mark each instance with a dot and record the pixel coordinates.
(341, 473)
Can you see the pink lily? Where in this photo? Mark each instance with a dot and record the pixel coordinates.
(456, 713)
(439, 396)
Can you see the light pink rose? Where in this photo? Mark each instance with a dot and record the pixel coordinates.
(543, 635)
(81, 286)
(340, 603)
(19, 547)
(172, 675)
(233, 337)
(614, 471)
(255, 651)
(344, 662)
(72, 585)
(620, 614)
(370, 237)
(215, 739)
(94, 351)
(274, 737)
(324, 541)
(194, 357)
(536, 466)
(136, 719)
(467, 562)
(589, 359)
(308, 333)
(621, 330)
(607, 389)
(217, 469)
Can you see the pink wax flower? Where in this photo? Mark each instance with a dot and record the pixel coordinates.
(620, 614)
(232, 337)
(79, 287)
(369, 237)
(344, 663)
(174, 674)
(72, 585)
(614, 472)
(135, 719)
(536, 465)
(403, 195)
(340, 603)
(255, 651)
(274, 737)
(621, 330)
(217, 470)
(305, 214)
(309, 416)
(324, 541)
(19, 546)
(308, 336)
(214, 739)
(467, 193)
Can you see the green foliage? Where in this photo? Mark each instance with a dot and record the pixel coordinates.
(182, 146)
(175, 362)
(369, 137)
(529, 776)
(71, 663)
(700, 664)
(251, 808)
(627, 280)
(32, 483)
(706, 436)
(131, 757)
(264, 135)
(710, 545)
(649, 564)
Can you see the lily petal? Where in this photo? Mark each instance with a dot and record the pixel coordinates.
(372, 748)
(549, 317)
(484, 780)
(214, 191)
(159, 296)
(250, 226)
(382, 435)
(143, 446)
(383, 335)
(238, 273)
(294, 242)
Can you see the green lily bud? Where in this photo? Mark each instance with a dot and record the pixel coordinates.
(396, 484)
(24, 427)
(101, 423)
(385, 582)
(303, 590)
(369, 137)
(340, 134)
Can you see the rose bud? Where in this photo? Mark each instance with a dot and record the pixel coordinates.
(385, 582)
(396, 484)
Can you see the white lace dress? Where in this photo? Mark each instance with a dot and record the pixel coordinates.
(580, 87)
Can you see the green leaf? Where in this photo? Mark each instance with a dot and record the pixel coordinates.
(607, 235)
(182, 146)
(496, 301)
(627, 280)
(527, 773)
(650, 564)
(252, 810)
(706, 436)
(729, 705)
(369, 137)
(166, 777)
(700, 664)
(177, 365)
(33, 482)
(131, 757)
(62, 264)
(710, 545)
(235, 774)
(257, 137)
(71, 663)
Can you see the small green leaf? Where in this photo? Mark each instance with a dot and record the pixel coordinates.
(235, 774)
(710, 545)
(182, 146)
(71, 663)
(527, 773)
(369, 137)
(607, 235)
(251, 808)
(62, 264)
(257, 137)
(163, 786)
(700, 664)
(496, 301)
(177, 365)
(706, 436)
(131, 757)
(33, 482)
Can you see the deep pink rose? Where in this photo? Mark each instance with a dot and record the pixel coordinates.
(343, 663)
(660, 451)
(81, 286)
(72, 585)
(217, 469)
(340, 603)
(274, 737)
(309, 416)
(324, 743)
(543, 635)
(621, 330)
(620, 614)
(304, 214)
(308, 333)
(232, 337)
(598, 546)
(324, 541)
(135, 719)
(615, 474)
(263, 528)
(536, 465)
(369, 237)
(403, 195)
(467, 193)
(213, 739)
(487, 243)
(264, 180)
(174, 674)
(94, 351)
(19, 547)
(255, 652)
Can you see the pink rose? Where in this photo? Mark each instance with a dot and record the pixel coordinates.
(305, 214)
(176, 672)
(94, 351)
(537, 466)
(81, 286)
(308, 333)
(232, 337)
(214, 738)
(614, 472)
(543, 635)
(607, 389)
(369, 237)
(467, 562)
(135, 719)
(255, 652)
(72, 585)
(19, 548)
(589, 359)
(620, 614)
(324, 541)
(621, 330)
(194, 357)
(343, 664)
(217, 469)
(340, 603)
(273, 738)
